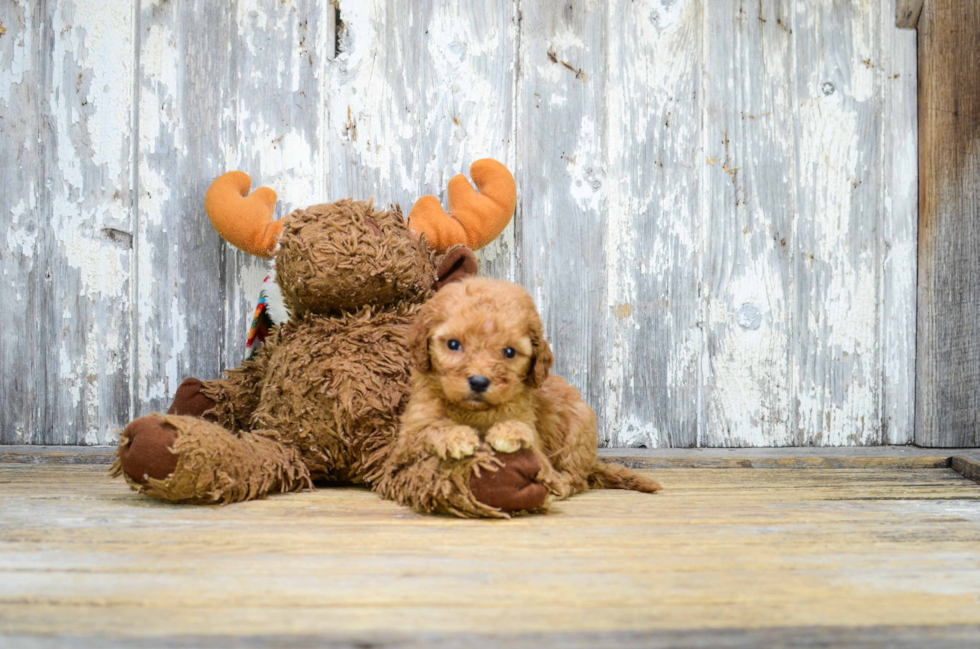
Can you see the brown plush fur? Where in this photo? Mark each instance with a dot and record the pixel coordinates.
(322, 398)
(462, 333)
(323, 395)
(217, 466)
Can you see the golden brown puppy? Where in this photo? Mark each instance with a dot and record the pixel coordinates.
(481, 376)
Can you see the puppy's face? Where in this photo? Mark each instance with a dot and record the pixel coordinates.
(482, 341)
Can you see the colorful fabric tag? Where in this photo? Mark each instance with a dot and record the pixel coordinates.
(268, 314)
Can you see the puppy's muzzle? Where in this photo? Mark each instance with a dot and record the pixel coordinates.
(479, 384)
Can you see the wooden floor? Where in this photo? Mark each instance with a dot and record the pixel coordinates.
(885, 554)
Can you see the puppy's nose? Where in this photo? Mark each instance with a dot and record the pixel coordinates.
(479, 383)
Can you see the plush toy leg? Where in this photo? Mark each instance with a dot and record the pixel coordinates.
(185, 459)
(191, 401)
(485, 485)
(514, 486)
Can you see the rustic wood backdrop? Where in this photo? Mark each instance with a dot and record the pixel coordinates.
(717, 208)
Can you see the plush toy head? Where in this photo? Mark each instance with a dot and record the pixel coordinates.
(348, 254)
(370, 255)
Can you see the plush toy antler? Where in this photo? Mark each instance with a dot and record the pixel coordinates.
(474, 219)
(244, 220)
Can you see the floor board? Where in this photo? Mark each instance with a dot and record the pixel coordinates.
(733, 557)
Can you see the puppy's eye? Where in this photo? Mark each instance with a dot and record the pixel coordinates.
(509, 352)
(454, 345)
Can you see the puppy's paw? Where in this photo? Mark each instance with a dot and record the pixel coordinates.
(510, 436)
(454, 443)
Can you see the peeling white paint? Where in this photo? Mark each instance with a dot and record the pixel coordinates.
(637, 433)
(19, 62)
(86, 101)
(664, 311)
(19, 236)
(585, 175)
(374, 113)
(157, 128)
(467, 106)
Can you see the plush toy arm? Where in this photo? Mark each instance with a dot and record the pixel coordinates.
(481, 483)
(428, 484)
(244, 220)
(486, 484)
(236, 394)
(185, 459)
(474, 219)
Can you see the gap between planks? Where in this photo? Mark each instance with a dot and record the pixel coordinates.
(966, 461)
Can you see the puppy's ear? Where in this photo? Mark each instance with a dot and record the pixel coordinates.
(541, 357)
(418, 338)
(457, 264)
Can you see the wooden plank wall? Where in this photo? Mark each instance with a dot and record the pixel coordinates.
(948, 371)
(717, 199)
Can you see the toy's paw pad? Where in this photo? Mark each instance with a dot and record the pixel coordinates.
(144, 450)
(512, 487)
(510, 436)
(190, 400)
(455, 443)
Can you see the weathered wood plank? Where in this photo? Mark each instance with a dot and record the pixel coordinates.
(789, 461)
(780, 454)
(897, 238)
(648, 349)
(749, 224)
(86, 244)
(836, 365)
(892, 636)
(907, 13)
(967, 467)
(185, 74)
(947, 399)
(373, 97)
(680, 326)
(61, 454)
(469, 69)
(693, 458)
(774, 549)
(20, 220)
(561, 136)
(275, 122)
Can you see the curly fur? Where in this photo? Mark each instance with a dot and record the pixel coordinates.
(323, 395)
(215, 465)
(523, 407)
(373, 259)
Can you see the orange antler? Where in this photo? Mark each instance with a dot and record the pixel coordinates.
(474, 219)
(244, 220)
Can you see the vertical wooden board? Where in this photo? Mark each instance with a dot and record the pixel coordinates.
(947, 399)
(373, 98)
(184, 95)
(898, 207)
(749, 167)
(469, 67)
(836, 363)
(648, 342)
(906, 13)
(280, 54)
(561, 167)
(86, 207)
(20, 186)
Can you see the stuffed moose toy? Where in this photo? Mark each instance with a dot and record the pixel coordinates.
(321, 399)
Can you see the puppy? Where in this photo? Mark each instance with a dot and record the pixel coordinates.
(482, 376)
